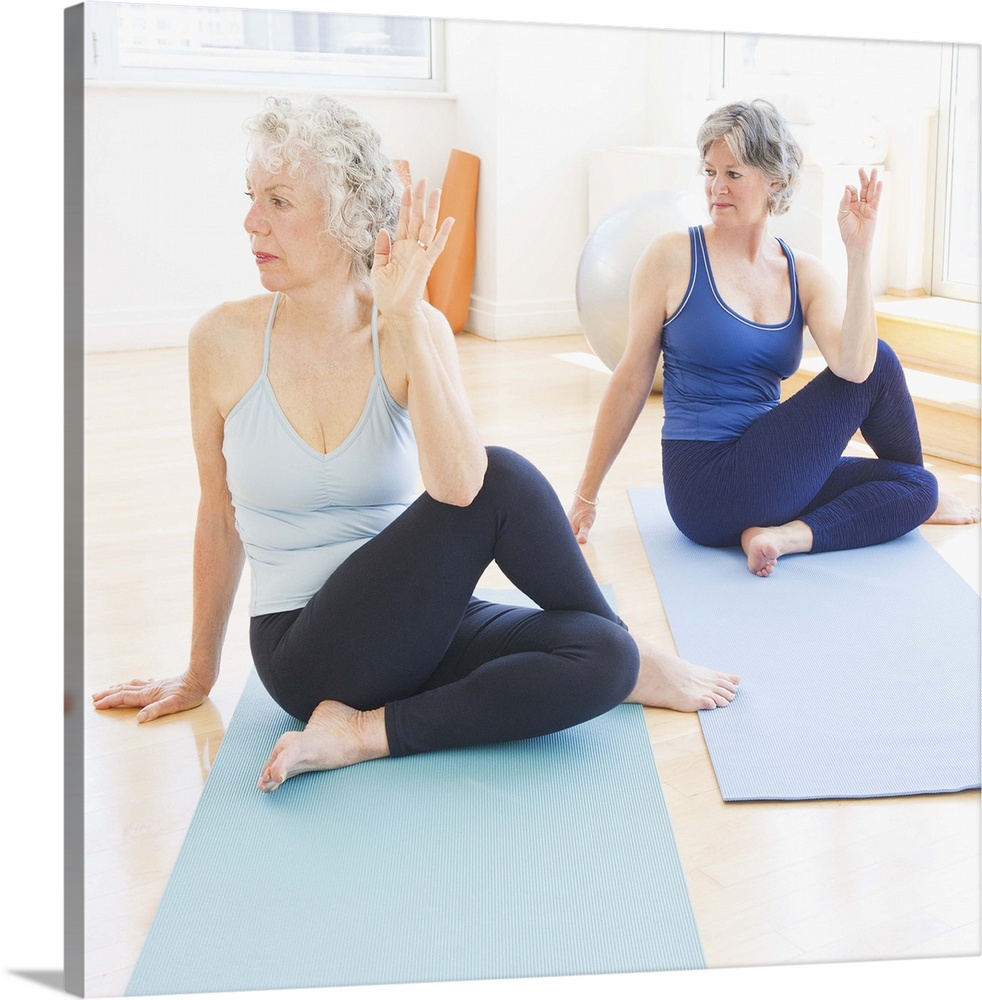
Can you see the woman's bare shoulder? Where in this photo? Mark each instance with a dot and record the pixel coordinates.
(436, 319)
(227, 324)
(225, 350)
(669, 250)
(662, 273)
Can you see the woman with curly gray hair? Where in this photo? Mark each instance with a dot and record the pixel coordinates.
(339, 154)
(317, 407)
(726, 304)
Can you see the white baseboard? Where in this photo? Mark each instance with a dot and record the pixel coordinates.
(136, 330)
(522, 320)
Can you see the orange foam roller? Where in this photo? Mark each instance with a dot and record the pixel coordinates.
(452, 277)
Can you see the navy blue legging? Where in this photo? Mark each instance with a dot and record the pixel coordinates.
(397, 625)
(788, 465)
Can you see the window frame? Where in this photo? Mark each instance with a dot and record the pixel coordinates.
(941, 285)
(939, 207)
(102, 62)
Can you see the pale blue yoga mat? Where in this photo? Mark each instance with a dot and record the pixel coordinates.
(545, 857)
(860, 669)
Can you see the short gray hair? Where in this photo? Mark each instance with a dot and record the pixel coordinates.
(340, 153)
(758, 136)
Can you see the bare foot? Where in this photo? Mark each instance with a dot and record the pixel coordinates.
(667, 681)
(336, 736)
(764, 546)
(953, 510)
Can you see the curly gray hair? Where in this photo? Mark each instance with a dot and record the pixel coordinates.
(340, 153)
(758, 136)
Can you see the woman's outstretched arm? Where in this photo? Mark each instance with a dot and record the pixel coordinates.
(631, 381)
(218, 553)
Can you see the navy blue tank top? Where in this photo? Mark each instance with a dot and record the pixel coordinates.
(722, 371)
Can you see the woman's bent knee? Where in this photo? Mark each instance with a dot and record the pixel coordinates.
(505, 462)
(887, 363)
(926, 485)
(618, 662)
(513, 477)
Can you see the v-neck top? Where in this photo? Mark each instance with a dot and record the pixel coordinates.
(721, 370)
(301, 513)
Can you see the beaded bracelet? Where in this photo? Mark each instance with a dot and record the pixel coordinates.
(579, 496)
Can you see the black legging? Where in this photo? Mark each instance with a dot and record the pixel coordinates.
(397, 625)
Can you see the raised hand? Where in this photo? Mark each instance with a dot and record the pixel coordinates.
(858, 209)
(402, 265)
(155, 698)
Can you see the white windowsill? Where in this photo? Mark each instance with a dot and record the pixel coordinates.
(930, 308)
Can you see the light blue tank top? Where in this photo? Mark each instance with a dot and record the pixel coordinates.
(301, 513)
(722, 371)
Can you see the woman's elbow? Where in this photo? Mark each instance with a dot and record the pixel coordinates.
(455, 496)
(465, 486)
(630, 385)
(859, 372)
(856, 369)
(855, 375)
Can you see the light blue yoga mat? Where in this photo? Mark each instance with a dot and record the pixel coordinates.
(860, 669)
(545, 857)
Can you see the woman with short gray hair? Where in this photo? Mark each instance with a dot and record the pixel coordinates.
(758, 136)
(725, 305)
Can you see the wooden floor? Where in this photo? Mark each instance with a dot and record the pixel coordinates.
(771, 883)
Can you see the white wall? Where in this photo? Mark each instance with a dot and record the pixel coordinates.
(682, 86)
(164, 199)
(164, 166)
(533, 101)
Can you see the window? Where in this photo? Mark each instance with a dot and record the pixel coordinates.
(835, 83)
(956, 256)
(829, 77)
(172, 43)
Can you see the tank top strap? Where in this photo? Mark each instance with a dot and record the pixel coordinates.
(695, 242)
(699, 250)
(375, 349)
(792, 273)
(269, 333)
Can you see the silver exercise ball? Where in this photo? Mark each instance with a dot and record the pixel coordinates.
(603, 277)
